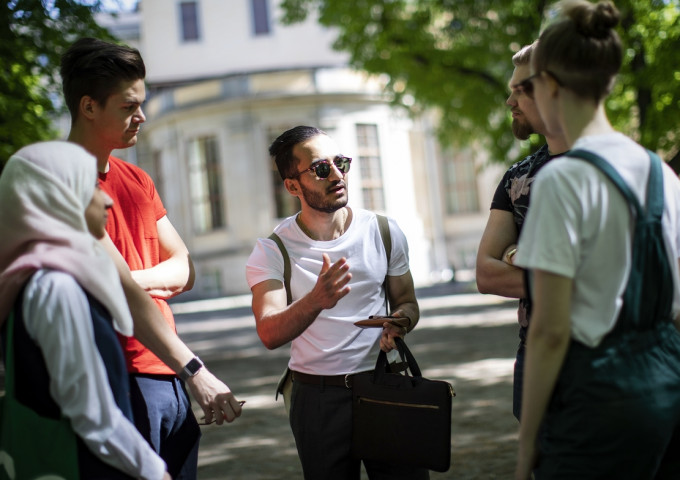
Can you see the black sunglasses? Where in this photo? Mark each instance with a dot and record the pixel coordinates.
(526, 86)
(322, 168)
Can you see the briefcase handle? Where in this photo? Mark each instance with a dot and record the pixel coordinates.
(382, 366)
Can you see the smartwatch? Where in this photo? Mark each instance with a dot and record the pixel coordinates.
(191, 369)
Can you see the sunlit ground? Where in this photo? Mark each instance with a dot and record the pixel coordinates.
(467, 339)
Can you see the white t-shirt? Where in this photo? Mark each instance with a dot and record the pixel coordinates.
(332, 344)
(580, 226)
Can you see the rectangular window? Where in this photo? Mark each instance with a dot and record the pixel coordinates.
(205, 185)
(370, 165)
(460, 184)
(189, 17)
(260, 17)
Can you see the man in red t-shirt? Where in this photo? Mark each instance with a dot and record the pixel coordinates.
(104, 90)
(133, 227)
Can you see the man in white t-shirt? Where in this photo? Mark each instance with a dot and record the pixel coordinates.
(338, 266)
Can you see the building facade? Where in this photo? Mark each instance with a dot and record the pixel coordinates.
(224, 78)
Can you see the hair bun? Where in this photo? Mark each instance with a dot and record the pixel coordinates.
(606, 16)
(592, 20)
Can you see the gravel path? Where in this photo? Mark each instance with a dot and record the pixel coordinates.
(463, 337)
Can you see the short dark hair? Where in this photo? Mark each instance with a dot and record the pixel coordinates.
(95, 68)
(281, 149)
(582, 48)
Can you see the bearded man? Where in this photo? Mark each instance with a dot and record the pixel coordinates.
(496, 273)
(338, 266)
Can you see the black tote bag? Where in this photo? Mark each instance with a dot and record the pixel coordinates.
(402, 419)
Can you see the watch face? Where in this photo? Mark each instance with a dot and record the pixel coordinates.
(193, 366)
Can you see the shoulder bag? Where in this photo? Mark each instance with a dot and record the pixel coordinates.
(32, 446)
(402, 419)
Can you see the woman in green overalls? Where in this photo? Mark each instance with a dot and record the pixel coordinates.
(601, 243)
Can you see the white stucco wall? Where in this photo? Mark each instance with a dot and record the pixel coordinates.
(227, 43)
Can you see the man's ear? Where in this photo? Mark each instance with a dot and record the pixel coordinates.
(87, 106)
(292, 186)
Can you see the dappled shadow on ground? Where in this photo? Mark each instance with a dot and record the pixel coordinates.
(464, 338)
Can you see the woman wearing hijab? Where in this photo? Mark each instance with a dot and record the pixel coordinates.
(601, 242)
(67, 303)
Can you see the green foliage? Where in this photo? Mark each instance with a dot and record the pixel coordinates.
(33, 35)
(455, 56)
(649, 84)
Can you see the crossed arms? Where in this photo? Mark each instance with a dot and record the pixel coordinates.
(174, 274)
(495, 274)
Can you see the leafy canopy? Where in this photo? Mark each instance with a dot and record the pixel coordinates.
(454, 56)
(33, 35)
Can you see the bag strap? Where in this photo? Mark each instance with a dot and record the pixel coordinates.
(386, 236)
(286, 266)
(382, 366)
(383, 227)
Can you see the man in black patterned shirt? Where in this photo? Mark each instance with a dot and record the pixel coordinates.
(496, 273)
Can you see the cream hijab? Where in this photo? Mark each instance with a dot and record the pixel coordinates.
(44, 191)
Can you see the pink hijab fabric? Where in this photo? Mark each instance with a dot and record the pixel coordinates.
(44, 191)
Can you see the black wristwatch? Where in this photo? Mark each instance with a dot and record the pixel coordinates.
(191, 368)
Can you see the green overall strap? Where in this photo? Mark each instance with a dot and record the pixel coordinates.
(648, 296)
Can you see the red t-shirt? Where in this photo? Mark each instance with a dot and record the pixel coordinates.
(132, 227)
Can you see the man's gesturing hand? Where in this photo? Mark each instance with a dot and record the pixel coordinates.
(331, 285)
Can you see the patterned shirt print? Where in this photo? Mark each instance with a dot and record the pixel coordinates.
(513, 192)
(512, 195)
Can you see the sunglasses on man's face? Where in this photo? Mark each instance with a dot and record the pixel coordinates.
(322, 168)
(526, 86)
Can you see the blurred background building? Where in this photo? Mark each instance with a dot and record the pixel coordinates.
(225, 78)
